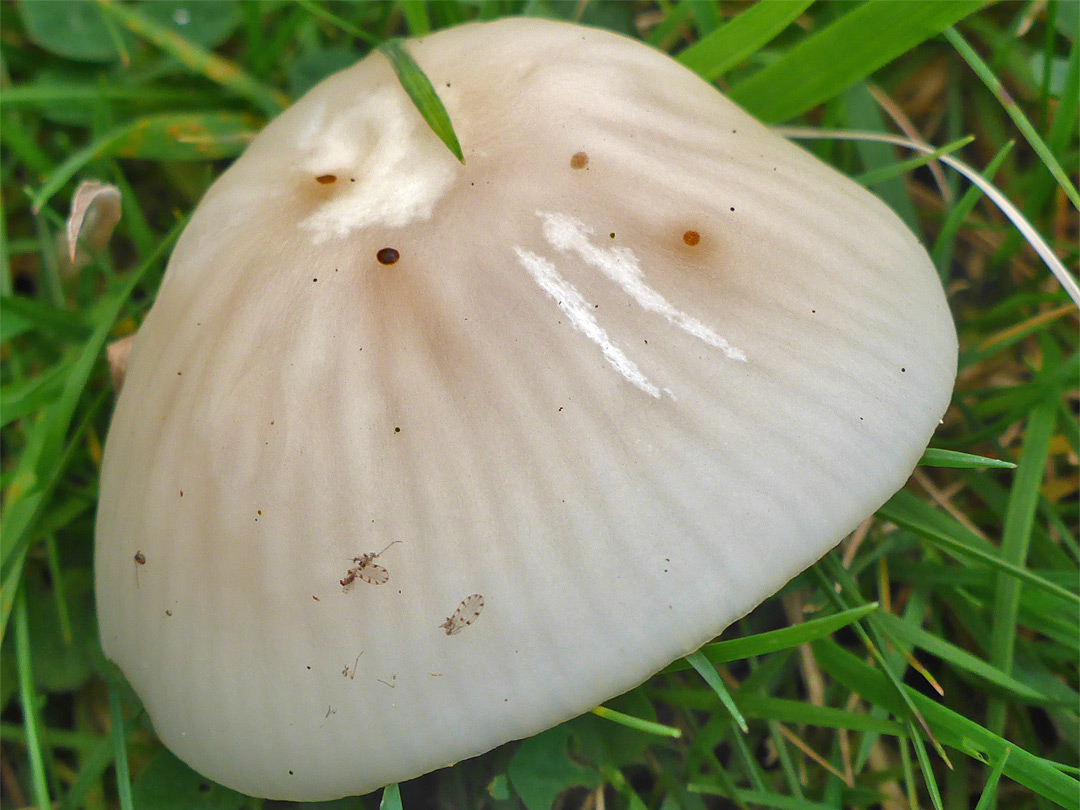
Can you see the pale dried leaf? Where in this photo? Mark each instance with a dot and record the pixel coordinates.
(95, 210)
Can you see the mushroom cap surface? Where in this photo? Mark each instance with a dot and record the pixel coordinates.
(632, 367)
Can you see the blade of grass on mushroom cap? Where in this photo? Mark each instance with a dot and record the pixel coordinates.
(849, 49)
(983, 71)
(213, 67)
(418, 87)
(740, 37)
(735, 649)
(936, 457)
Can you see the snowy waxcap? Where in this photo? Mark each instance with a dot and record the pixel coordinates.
(414, 458)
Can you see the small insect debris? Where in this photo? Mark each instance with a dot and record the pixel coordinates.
(140, 559)
(351, 673)
(467, 613)
(366, 570)
(391, 683)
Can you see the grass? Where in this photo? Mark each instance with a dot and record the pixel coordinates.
(929, 661)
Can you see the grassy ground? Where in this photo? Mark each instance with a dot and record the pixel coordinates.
(959, 687)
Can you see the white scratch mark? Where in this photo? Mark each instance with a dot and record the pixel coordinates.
(578, 311)
(620, 265)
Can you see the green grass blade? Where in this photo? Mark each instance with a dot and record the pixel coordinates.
(215, 68)
(933, 457)
(28, 697)
(989, 792)
(957, 657)
(850, 49)
(19, 314)
(741, 37)
(924, 765)
(416, 16)
(905, 510)
(1019, 518)
(24, 496)
(720, 652)
(391, 798)
(875, 176)
(346, 26)
(952, 728)
(1033, 138)
(942, 249)
(119, 738)
(708, 673)
(423, 95)
(636, 723)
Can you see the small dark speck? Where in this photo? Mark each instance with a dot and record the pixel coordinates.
(179, 374)
(448, 84)
(290, 773)
(317, 599)
(734, 131)
(168, 613)
(612, 235)
(560, 409)
(352, 179)
(204, 787)
(181, 493)
(903, 370)
(258, 511)
(397, 430)
(309, 667)
(326, 179)
(813, 312)
(732, 208)
(314, 279)
(387, 256)
(140, 558)
(861, 419)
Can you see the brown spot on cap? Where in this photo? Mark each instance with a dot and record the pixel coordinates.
(387, 256)
(579, 160)
(326, 179)
(691, 238)
(140, 558)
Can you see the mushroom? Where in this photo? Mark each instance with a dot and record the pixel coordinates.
(584, 400)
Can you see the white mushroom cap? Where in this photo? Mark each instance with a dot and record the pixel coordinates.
(638, 363)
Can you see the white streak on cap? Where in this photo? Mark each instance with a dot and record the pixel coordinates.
(621, 266)
(576, 309)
